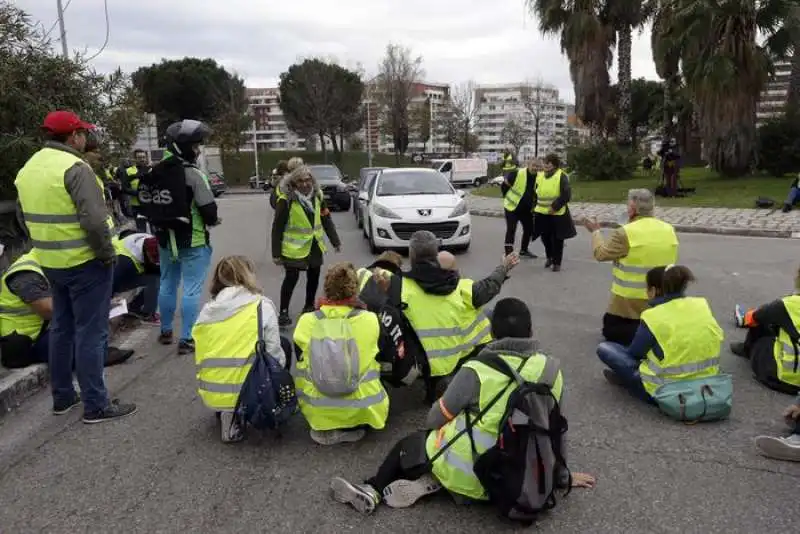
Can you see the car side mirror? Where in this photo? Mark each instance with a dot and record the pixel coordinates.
(461, 193)
(363, 196)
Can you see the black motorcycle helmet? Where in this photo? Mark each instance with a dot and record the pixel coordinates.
(182, 136)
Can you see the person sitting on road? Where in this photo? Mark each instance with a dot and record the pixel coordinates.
(138, 266)
(444, 309)
(389, 261)
(407, 473)
(26, 307)
(338, 376)
(785, 448)
(675, 331)
(641, 244)
(772, 342)
(226, 332)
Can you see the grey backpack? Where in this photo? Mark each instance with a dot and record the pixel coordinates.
(334, 360)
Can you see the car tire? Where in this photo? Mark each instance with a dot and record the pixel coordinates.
(359, 222)
(373, 248)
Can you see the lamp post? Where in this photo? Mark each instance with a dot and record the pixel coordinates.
(369, 134)
(255, 152)
(62, 30)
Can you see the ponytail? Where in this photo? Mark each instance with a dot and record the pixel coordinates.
(676, 279)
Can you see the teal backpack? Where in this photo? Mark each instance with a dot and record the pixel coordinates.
(697, 400)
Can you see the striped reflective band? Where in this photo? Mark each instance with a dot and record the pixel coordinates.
(50, 219)
(790, 358)
(454, 460)
(26, 263)
(366, 377)
(484, 439)
(214, 387)
(464, 347)
(662, 374)
(59, 245)
(225, 362)
(330, 402)
(632, 269)
(545, 201)
(303, 230)
(16, 311)
(452, 331)
(514, 193)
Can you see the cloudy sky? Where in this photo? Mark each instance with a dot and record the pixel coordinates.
(485, 41)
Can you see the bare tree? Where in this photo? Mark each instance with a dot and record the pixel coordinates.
(420, 120)
(465, 112)
(397, 75)
(515, 134)
(534, 97)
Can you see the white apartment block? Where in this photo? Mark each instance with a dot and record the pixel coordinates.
(270, 131)
(497, 104)
(773, 97)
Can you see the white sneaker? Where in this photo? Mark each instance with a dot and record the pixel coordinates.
(404, 493)
(738, 316)
(333, 437)
(230, 430)
(779, 448)
(362, 497)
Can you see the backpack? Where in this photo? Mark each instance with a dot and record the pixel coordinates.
(267, 399)
(333, 357)
(519, 473)
(163, 196)
(696, 400)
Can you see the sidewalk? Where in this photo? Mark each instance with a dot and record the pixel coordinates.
(724, 221)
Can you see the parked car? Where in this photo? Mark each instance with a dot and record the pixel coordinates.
(258, 182)
(464, 171)
(217, 182)
(497, 180)
(367, 174)
(331, 181)
(401, 201)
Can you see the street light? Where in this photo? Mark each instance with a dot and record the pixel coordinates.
(369, 134)
(62, 30)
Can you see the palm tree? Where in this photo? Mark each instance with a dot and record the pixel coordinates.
(586, 39)
(666, 57)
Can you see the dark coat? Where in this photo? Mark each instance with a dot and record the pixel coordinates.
(563, 224)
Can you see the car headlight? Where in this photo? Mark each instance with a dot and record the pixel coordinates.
(460, 210)
(383, 211)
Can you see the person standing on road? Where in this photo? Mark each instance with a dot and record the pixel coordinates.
(301, 219)
(643, 243)
(785, 448)
(64, 210)
(552, 219)
(280, 170)
(509, 163)
(517, 189)
(130, 177)
(177, 200)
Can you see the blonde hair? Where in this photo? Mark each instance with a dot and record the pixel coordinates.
(294, 163)
(299, 172)
(235, 271)
(390, 256)
(341, 282)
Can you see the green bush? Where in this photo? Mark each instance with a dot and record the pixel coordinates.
(779, 146)
(603, 161)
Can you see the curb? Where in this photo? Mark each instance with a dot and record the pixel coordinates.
(684, 228)
(244, 191)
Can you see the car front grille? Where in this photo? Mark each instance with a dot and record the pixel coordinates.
(329, 190)
(442, 230)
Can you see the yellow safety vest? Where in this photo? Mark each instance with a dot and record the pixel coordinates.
(122, 250)
(454, 467)
(364, 276)
(547, 191)
(690, 338)
(367, 405)
(49, 212)
(652, 243)
(224, 353)
(508, 163)
(133, 171)
(15, 315)
(447, 325)
(299, 234)
(515, 192)
(785, 352)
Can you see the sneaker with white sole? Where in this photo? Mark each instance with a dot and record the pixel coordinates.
(334, 437)
(404, 493)
(362, 497)
(779, 448)
(738, 315)
(231, 433)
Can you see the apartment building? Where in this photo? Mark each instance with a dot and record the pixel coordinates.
(270, 130)
(500, 103)
(773, 97)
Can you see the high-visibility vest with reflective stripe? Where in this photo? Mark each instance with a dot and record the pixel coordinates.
(15, 315)
(787, 353)
(652, 243)
(689, 337)
(299, 233)
(447, 325)
(122, 250)
(49, 212)
(515, 192)
(547, 191)
(134, 171)
(365, 274)
(454, 467)
(224, 353)
(367, 405)
(508, 163)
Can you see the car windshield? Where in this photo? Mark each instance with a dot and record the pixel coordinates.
(326, 174)
(413, 183)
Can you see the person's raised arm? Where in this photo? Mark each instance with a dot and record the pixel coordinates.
(488, 288)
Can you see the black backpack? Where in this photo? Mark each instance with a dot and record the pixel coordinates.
(164, 198)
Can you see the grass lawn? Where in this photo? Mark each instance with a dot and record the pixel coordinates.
(712, 190)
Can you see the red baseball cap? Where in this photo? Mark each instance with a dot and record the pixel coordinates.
(64, 122)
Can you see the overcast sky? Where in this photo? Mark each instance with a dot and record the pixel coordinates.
(485, 41)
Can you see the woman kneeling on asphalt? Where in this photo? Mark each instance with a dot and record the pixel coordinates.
(408, 474)
(675, 332)
(338, 375)
(226, 332)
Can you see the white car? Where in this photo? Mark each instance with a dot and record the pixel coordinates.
(401, 201)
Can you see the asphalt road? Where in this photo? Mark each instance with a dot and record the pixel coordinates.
(165, 470)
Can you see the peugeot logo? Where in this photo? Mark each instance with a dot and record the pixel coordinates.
(424, 213)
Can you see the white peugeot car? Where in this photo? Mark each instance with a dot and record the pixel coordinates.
(401, 201)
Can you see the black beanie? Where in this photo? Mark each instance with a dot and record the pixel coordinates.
(511, 318)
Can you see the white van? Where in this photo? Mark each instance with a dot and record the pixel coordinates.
(465, 171)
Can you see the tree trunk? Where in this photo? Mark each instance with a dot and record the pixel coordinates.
(793, 97)
(536, 137)
(323, 148)
(624, 84)
(671, 85)
(336, 152)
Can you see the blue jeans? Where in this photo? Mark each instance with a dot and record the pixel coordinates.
(40, 351)
(793, 197)
(79, 326)
(625, 366)
(127, 278)
(192, 265)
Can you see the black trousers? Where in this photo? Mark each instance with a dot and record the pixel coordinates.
(758, 346)
(619, 329)
(290, 279)
(406, 461)
(521, 216)
(546, 226)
